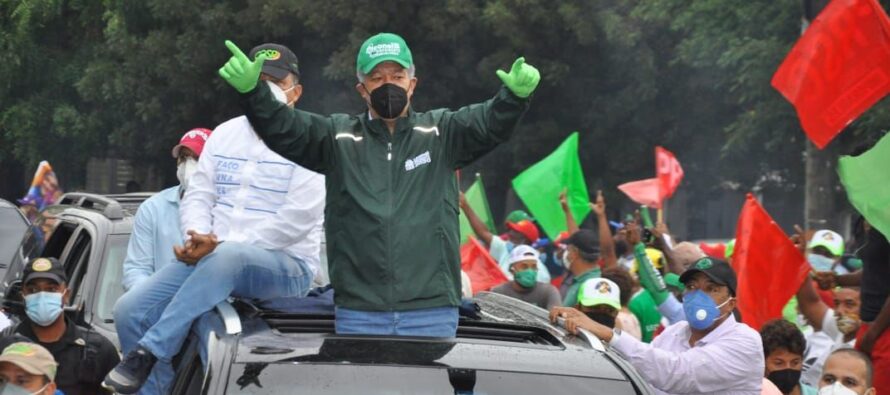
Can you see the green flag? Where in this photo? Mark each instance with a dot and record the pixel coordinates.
(539, 187)
(867, 180)
(475, 195)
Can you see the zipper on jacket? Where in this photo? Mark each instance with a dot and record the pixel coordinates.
(390, 201)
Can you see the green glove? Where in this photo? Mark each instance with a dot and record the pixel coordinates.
(650, 278)
(240, 72)
(523, 78)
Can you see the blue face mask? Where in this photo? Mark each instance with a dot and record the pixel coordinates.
(12, 389)
(700, 309)
(820, 263)
(509, 245)
(43, 307)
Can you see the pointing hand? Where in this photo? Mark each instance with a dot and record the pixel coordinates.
(240, 72)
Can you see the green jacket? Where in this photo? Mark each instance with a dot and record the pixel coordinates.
(391, 216)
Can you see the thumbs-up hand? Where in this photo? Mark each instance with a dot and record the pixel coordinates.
(241, 72)
(522, 79)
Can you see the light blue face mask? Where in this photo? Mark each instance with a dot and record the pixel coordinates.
(43, 307)
(510, 246)
(820, 263)
(12, 389)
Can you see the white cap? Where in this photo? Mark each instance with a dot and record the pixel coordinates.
(597, 291)
(830, 240)
(521, 253)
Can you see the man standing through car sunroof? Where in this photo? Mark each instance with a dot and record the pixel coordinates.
(392, 203)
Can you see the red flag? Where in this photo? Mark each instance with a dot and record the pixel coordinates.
(668, 172)
(482, 269)
(714, 250)
(769, 267)
(838, 69)
(646, 192)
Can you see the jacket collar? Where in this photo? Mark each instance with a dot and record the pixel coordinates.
(377, 127)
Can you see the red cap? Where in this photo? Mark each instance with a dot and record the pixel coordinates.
(194, 140)
(527, 228)
(561, 238)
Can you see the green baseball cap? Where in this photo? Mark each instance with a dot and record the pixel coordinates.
(518, 215)
(673, 280)
(381, 48)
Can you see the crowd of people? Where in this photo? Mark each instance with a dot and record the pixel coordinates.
(257, 191)
(685, 335)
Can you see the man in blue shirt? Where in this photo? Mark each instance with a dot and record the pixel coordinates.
(155, 231)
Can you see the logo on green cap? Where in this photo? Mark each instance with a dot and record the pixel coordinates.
(393, 49)
(23, 349)
(704, 264)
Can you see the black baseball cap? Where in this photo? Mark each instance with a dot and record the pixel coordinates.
(584, 240)
(718, 271)
(48, 268)
(279, 60)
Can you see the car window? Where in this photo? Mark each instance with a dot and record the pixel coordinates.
(12, 230)
(77, 260)
(256, 379)
(110, 287)
(55, 246)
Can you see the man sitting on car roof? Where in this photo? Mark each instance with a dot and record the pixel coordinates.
(156, 230)
(252, 220)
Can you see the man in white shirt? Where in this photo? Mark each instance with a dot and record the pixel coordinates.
(833, 329)
(253, 223)
(709, 353)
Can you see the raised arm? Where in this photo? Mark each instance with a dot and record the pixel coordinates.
(299, 136)
(478, 226)
(571, 224)
(607, 245)
(474, 130)
(811, 306)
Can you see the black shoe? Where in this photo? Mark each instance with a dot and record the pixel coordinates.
(129, 375)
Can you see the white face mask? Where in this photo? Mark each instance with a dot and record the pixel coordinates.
(836, 389)
(185, 171)
(820, 263)
(280, 94)
(566, 261)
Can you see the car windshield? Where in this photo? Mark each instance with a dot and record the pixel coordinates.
(110, 288)
(319, 379)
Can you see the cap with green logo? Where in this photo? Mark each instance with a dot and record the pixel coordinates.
(381, 48)
(718, 271)
(599, 291)
(32, 358)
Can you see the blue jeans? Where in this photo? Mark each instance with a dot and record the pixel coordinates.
(233, 269)
(434, 322)
(139, 308)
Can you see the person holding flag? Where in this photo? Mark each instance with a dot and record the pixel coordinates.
(524, 232)
(392, 210)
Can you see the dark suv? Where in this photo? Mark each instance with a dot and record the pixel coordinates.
(90, 239)
(511, 349)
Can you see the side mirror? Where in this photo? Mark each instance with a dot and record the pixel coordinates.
(13, 302)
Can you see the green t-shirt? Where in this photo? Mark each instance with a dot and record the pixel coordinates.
(644, 307)
(571, 298)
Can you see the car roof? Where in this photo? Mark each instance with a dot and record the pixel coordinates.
(116, 210)
(511, 336)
